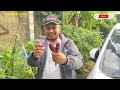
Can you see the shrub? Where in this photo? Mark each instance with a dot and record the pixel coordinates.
(85, 41)
(14, 63)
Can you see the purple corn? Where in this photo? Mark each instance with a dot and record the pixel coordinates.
(52, 48)
(40, 45)
(57, 48)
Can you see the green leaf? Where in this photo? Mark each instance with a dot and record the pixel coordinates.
(12, 77)
(102, 12)
(104, 24)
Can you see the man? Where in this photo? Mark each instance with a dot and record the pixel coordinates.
(52, 64)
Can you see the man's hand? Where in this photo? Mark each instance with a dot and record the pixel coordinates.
(59, 58)
(38, 51)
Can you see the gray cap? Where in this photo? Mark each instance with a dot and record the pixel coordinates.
(51, 18)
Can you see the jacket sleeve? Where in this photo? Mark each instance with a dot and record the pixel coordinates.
(33, 62)
(73, 55)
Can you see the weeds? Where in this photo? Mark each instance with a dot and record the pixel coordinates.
(13, 62)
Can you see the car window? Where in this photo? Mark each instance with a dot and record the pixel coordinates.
(110, 61)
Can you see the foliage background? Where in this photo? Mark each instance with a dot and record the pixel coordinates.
(86, 31)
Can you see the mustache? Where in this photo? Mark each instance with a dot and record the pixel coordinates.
(51, 33)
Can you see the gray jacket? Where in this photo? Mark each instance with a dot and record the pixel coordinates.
(70, 50)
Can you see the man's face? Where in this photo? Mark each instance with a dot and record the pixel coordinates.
(52, 31)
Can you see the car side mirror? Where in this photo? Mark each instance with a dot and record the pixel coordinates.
(94, 53)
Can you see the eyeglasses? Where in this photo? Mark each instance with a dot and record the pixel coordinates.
(49, 28)
(53, 27)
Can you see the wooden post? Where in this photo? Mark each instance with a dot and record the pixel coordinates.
(31, 24)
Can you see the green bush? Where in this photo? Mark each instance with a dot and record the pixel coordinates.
(13, 61)
(85, 41)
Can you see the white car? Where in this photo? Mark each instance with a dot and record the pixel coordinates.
(108, 58)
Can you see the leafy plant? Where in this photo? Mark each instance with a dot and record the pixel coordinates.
(14, 63)
(85, 41)
(85, 37)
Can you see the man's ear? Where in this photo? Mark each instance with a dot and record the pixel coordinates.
(42, 28)
(61, 26)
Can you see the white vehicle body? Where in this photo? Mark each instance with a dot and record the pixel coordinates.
(108, 61)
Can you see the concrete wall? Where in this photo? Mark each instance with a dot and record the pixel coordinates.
(12, 22)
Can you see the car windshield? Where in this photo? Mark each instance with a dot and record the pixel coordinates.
(110, 63)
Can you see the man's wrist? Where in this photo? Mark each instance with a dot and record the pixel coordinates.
(66, 60)
(34, 56)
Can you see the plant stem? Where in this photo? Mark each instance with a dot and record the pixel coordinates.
(25, 55)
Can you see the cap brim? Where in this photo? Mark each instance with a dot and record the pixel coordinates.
(51, 22)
